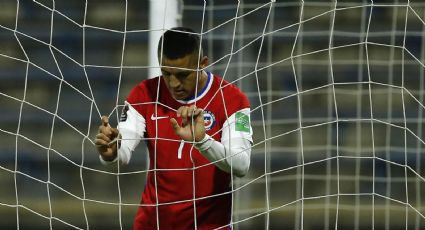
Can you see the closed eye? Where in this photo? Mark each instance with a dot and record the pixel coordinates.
(182, 75)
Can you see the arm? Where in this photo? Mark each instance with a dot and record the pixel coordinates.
(131, 129)
(233, 153)
(234, 150)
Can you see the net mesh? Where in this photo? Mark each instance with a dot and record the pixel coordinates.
(337, 101)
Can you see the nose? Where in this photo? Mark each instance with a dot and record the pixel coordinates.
(173, 82)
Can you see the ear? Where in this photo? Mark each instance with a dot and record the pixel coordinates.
(204, 62)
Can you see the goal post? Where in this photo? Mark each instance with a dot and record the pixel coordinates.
(163, 15)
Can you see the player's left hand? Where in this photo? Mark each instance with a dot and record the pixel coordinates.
(192, 127)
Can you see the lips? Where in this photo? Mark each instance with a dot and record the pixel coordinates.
(179, 92)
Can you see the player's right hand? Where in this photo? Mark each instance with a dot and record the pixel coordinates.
(192, 127)
(105, 140)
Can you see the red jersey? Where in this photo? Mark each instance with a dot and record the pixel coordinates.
(181, 181)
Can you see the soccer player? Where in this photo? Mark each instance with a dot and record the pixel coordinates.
(198, 132)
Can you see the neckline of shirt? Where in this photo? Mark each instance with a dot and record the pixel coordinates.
(201, 93)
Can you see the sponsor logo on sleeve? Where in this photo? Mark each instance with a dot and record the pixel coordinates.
(209, 120)
(124, 111)
(242, 122)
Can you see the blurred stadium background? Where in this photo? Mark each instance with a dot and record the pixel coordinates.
(352, 78)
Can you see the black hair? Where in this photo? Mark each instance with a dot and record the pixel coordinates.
(178, 42)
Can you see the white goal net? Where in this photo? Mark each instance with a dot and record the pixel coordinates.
(337, 92)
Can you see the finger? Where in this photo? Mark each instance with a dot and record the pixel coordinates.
(107, 130)
(101, 143)
(191, 110)
(184, 115)
(103, 137)
(199, 116)
(115, 132)
(198, 111)
(113, 142)
(179, 111)
(105, 121)
(191, 113)
(175, 125)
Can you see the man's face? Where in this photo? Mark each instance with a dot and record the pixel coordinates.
(182, 83)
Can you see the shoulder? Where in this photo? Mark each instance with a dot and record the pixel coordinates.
(144, 91)
(228, 88)
(232, 92)
(234, 97)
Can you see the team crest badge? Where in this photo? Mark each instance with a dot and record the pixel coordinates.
(209, 120)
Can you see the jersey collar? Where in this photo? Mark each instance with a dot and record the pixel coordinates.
(201, 93)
